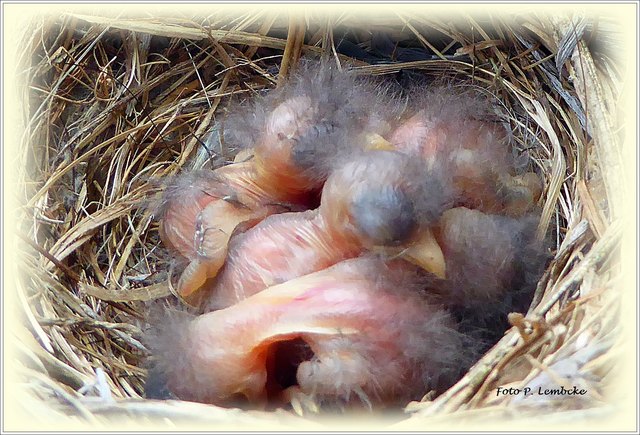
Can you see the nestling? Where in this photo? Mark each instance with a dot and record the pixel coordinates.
(459, 131)
(357, 334)
(493, 264)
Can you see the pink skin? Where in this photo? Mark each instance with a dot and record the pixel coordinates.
(278, 249)
(288, 121)
(199, 221)
(184, 213)
(417, 136)
(178, 224)
(476, 156)
(290, 245)
(361, 330)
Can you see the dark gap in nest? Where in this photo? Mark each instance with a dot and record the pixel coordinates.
(382, 46)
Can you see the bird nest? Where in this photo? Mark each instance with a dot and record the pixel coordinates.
(112, 103)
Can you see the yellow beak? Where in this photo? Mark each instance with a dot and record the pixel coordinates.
(426, 253)
(374, 141)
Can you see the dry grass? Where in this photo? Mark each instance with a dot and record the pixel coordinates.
(113, 104)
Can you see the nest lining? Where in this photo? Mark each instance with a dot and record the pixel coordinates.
(110, 108)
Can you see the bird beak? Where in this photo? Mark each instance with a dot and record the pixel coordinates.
(374, 141)
(426, 253)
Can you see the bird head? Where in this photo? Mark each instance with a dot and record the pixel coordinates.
(183, 199)
(387, 202)
(301, 131)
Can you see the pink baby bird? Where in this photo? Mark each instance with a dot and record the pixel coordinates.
(459, 132)
(357, 334)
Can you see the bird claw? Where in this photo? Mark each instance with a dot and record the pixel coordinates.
(301, 403)
(529, 329)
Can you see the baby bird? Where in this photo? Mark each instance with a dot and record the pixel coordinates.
(493, 264)
(379, 201)
(357, 334)
(459, 131)
(298, 133)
